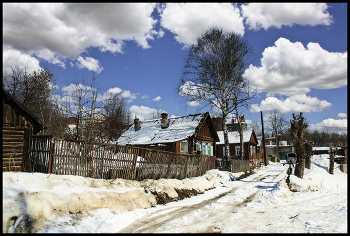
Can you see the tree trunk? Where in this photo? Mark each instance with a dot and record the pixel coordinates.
(332, 153)
(298, 127)
(240, 131)
(308, 150)
(226, 141)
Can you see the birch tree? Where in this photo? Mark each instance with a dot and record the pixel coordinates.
(213, 74)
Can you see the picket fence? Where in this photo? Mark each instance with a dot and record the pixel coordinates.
(108, 161)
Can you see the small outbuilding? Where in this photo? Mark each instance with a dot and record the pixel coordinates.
(18, 126)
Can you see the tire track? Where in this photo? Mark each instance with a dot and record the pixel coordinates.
(151, 222)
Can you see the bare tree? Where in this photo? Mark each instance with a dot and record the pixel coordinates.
(115, 121)
(35, 91)
(84, 106)
(298, 127)
(213, 74)
(277, 124)
(308, 153)
(332, 152)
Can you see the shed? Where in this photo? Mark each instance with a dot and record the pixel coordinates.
(186, 134)
(18, 126)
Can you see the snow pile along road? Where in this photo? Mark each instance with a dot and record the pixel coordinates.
(214, 202)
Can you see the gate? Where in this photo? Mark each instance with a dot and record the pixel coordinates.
(41, 154)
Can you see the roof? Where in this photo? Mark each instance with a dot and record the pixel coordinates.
(179, 128)
(233, 136)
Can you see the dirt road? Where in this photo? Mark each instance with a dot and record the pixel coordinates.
(206, 216)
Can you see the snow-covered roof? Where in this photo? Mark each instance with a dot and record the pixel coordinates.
(151, 132)
(233, 136)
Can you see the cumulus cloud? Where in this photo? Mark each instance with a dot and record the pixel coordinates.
(157, 99)
(142, 112)
(295, 103)
(90, 64)
(342, 115)
(266, 15)
(12, 57)
(51, 57)
(110, 93)
(54, 31)
(289, 69)
(128, 94)
(331, 125)
(144, 96)
(189, 20)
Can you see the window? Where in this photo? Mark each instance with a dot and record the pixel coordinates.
(183, 147)
(198, 146)
(210, 149)
(204, 148)
(237, 150)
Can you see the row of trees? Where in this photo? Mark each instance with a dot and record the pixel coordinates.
(97, 119)
(277, 124)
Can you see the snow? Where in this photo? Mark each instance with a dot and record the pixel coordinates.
(233, 137)
(259, 203)
(151, 132)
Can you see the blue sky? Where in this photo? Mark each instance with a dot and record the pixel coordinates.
(137, 50)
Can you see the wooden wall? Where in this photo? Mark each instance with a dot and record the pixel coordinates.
(18, 127)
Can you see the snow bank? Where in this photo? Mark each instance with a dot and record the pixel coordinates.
(318, 178)
(34, 197)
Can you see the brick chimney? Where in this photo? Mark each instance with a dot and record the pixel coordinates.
(137, 123)
(164, 122)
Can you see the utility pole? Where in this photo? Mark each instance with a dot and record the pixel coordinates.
(263, 138)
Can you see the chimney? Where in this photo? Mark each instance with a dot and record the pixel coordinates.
(164, 122)
(137, 123)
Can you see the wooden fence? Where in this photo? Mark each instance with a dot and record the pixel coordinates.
(239, 166)
(107, 161)
(235, 166)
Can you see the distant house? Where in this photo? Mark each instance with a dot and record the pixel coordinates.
(18, 126)
(250, 143)
(186, 134)
(283, 148)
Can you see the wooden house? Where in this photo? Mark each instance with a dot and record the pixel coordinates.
(250, 143)
(17, 129)
(187, 134)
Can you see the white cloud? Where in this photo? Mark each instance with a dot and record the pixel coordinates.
(109, 94)
(266, 15)
(342, 115)
(193, 103)
(288, 68)
(295, 103)
(54, 31)
(12, 57)
(331, 125)
(157, 99)
(90, 64)
(144, 96)
(128, 94)
(142, 112)
(51, 57)
(189, 20)
(72, 88)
